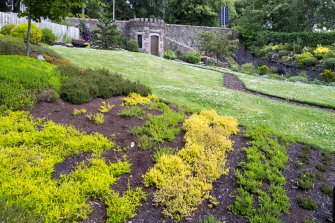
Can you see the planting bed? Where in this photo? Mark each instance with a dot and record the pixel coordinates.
(223, 188)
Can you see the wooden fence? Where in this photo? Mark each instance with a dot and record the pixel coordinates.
(61, 31)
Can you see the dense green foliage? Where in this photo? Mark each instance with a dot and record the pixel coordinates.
(307, 38)
(170, 55)
(82, 85)
(13, 45)
(192, 57)
(107, 35)
(266, 159)
(5, 30)
(23, 78)
(132, 45)
(30, 148)
(21, 32)
(48, 36)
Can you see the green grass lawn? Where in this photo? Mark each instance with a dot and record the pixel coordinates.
(310, 93)
(199, 88)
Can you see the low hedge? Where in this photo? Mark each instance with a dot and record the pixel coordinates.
(312, 39)
(80, 86)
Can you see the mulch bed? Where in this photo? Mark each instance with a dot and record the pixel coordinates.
(61, 112)
(232, 82)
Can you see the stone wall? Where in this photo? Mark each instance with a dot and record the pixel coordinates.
(188, 35)
(182, 38)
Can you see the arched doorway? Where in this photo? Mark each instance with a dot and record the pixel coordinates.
(154, 45)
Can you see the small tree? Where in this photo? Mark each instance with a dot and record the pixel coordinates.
(108, 35)
(217, 44)
(52, 9)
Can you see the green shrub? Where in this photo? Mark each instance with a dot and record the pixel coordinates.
(321, 167)
(161, 152)
(5, 30)
(330, 63)
(306, 181)
(310, 61)
(283, 53)
(170, 55)
(48, 36)
(307, 203)
(248, 68)
(211, 219)
(298, 79)
(23, 78)
(192, 57)
(132, 45)
(326, 189)
(301, 57)
(21, 32)
(80, 86)
(131, 112)
(262, 70)
(328, 75)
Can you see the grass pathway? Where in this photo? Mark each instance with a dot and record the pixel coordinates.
(199, 89)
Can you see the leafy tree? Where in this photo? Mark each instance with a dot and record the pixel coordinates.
(214, 43)
(108, 35)
(3, 6)
(52, 9)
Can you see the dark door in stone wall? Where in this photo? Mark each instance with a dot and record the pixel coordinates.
(154, 45)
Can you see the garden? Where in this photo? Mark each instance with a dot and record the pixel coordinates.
(92, 135)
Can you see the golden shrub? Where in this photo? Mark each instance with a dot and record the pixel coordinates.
(184, 180)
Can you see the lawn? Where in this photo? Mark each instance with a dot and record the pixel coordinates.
(198, 88)
(313, 94)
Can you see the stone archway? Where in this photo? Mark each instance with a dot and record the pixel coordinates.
(154, 45)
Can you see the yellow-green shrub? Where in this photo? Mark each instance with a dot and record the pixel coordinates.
(301, 57)
(134, 99)
(30, 148)
(21, 31)
(262, 70)
(328, 75)
(184, 180)
(320, 51)
(5, 30)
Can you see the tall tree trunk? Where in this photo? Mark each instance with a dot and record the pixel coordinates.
(28, 33)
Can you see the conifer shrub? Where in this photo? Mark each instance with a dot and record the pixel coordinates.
(82, 85)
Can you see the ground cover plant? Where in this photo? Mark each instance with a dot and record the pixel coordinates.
(303, 92)
(82, 85)
(10, 45)
(157, 128)
(261, 195)
(199, 89)
(30, 149)
(23, 79)
(184, 180)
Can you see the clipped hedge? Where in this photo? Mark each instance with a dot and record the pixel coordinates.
(83, 85)
(308, 38)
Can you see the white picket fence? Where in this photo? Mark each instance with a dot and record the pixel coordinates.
(61, 31)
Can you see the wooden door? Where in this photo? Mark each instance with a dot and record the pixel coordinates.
(154, 45)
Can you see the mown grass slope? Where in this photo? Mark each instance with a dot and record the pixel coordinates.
(201, 89)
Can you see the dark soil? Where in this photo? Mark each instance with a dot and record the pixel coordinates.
(323, 212)
(61, 112)
(232, 82)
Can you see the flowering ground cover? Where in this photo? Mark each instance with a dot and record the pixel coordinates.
(199, 89)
